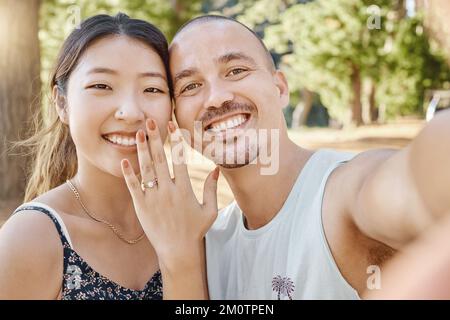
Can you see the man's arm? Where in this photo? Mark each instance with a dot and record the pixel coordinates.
(407, 191)
(420, 271)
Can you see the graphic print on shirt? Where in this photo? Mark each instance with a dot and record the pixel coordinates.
(283, 286)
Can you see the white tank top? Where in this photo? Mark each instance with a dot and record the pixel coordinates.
(288, 258)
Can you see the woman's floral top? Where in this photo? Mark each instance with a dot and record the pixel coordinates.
(81, 282)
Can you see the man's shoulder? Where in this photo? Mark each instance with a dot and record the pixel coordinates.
(355, 169)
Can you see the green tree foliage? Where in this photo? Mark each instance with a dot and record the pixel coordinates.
(411, 68)
(335, 45)
(59, 17)
(331, 47)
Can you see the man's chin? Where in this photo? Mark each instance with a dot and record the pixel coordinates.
(232, 166)
(237, 163)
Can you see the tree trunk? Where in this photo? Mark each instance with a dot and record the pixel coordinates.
(19, 86)
(372, 105)
(301, 111)
(401, 9)
(437, 23)
(356, 103)
(177, 9)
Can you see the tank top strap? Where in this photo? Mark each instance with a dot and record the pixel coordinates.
(53, 215)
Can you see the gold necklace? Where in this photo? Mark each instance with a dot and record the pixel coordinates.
(112, 227)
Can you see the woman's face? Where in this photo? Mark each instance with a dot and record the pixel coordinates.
(118, 83)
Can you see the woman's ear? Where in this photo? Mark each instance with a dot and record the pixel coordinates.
(60, 104)
(283, 88)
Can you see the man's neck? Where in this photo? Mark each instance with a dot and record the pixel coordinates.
(262, 196)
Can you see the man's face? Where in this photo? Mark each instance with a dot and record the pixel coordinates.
(226, 90)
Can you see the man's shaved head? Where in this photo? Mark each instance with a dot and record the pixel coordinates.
(215, 18)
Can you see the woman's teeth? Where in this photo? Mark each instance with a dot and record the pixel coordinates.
(228, 123)
(121, 140)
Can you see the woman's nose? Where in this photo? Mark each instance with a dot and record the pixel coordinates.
(130, 111)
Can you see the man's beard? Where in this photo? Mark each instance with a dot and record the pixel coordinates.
(236, 154)
(239, 165)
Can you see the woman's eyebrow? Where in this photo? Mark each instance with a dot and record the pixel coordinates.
(150, 74)
(102, 70)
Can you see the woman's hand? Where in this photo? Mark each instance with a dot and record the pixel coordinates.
(170, 214)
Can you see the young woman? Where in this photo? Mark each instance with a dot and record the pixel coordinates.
(80, 233)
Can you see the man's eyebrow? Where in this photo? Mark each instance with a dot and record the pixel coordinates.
(222, 59)
(184, 74)
(235, 56)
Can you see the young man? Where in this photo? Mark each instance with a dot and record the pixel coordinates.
(315, 223)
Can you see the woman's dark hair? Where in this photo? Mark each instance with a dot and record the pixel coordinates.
(100, 26)
(53, 154)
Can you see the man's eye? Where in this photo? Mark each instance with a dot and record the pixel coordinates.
(236, 71)
(152, 90)
(100, 86)
(191, 86)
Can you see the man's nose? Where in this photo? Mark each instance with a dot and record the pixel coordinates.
(218, 93)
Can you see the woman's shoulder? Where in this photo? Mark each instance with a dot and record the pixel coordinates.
(33, 231)
(34, 225)
(31, 256)
(30, 227)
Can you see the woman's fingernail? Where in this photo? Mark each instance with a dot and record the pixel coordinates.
(151, 124)
(171, 127)
(141, 136)
(216, 173)
(125, 163)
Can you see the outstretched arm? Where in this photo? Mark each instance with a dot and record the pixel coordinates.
(421, 271)
(405, 192)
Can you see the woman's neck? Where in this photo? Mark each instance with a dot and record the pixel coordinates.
(106, 197)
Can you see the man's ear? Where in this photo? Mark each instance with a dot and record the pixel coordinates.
(60, 104)
(283, 88)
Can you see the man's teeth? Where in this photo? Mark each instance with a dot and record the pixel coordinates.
(228, 123)
(121, 140)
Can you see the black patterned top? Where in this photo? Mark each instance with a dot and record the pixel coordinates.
(81, 282)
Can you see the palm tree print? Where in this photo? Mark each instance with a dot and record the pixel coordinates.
(277, 284)
(283, 286)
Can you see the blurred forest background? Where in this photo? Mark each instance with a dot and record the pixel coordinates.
(349, 63)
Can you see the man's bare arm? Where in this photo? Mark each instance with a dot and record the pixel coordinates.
(421, 271)
(407, 191)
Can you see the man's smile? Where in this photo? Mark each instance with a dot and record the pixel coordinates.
(226, 122)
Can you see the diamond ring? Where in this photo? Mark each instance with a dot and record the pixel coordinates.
(150, 184)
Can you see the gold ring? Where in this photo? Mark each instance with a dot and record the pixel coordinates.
(148, 185)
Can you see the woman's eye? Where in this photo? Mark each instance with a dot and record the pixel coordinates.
(100, 86)
(236, 71)
(191, 86)
(152, 90)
